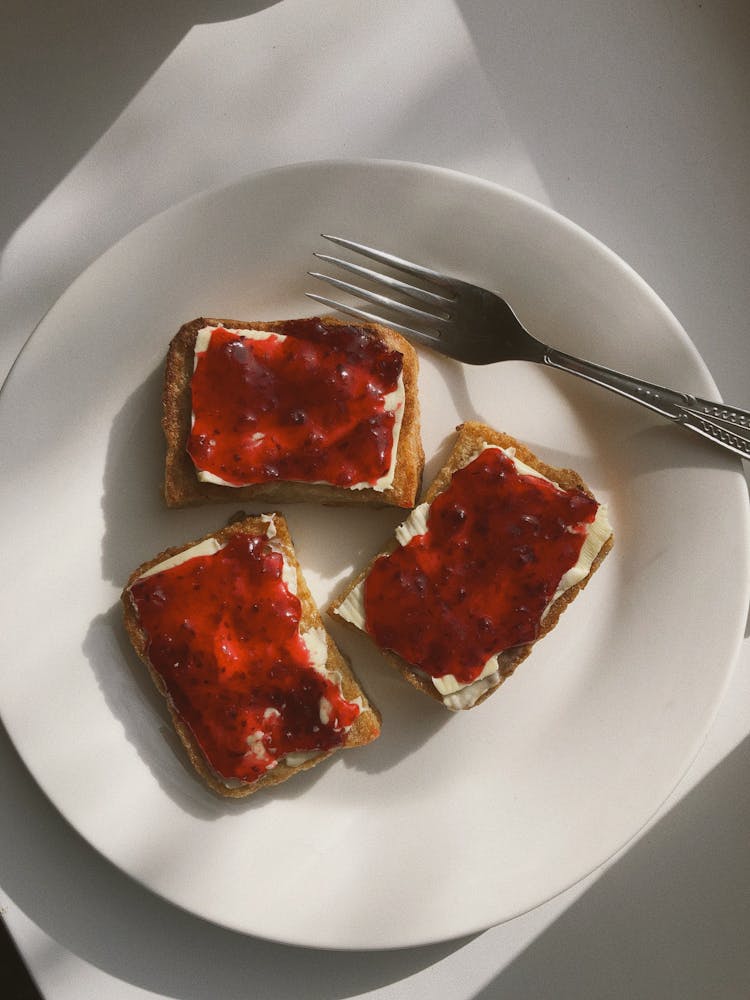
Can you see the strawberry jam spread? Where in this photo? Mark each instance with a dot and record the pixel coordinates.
(308, 406)
(478, 580)
(223, 632)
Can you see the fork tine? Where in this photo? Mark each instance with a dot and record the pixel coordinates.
(442, 280)
(421, 294)
(415, 335)
(420, 315)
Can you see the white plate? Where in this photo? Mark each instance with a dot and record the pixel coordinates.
(448, 824)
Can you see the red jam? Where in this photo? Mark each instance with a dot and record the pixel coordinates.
(223, 633)
(308, 408)
(477, 582)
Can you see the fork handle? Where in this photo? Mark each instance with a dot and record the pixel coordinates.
(725, 425)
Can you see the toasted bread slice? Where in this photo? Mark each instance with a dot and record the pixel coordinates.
(182, 485)
(273, 528)
(470, 442)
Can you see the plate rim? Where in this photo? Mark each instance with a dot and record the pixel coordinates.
(695, 358)
(206, 194)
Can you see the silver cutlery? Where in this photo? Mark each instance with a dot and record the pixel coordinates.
(476, 326)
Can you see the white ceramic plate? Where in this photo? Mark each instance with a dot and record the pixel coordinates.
(448, 824)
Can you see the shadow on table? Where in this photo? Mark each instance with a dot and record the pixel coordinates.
(668, 920)
(89, 907)
(16, 980)
(78, 64)
(682, 890)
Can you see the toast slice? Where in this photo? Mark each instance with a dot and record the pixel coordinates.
(285, 435)
(255, 687)
(481, 570)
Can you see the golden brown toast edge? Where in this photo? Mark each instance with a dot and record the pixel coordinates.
(470, 437)
(366, 727)
(182, 487)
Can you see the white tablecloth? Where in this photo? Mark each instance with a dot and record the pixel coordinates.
(629, 117)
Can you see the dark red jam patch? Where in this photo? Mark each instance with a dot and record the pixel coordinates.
(223, 632)
(477, 582)
(308, 408)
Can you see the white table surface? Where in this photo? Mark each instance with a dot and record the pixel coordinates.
(631, 117)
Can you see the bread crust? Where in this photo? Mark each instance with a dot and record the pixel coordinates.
(470, 437)
(182, 487)
(366, 726)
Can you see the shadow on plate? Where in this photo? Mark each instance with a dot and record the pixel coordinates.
(667, 919)
(680, 890)
(330, 542)
(87, 906)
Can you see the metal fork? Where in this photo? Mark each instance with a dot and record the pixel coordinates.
(478, 327)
